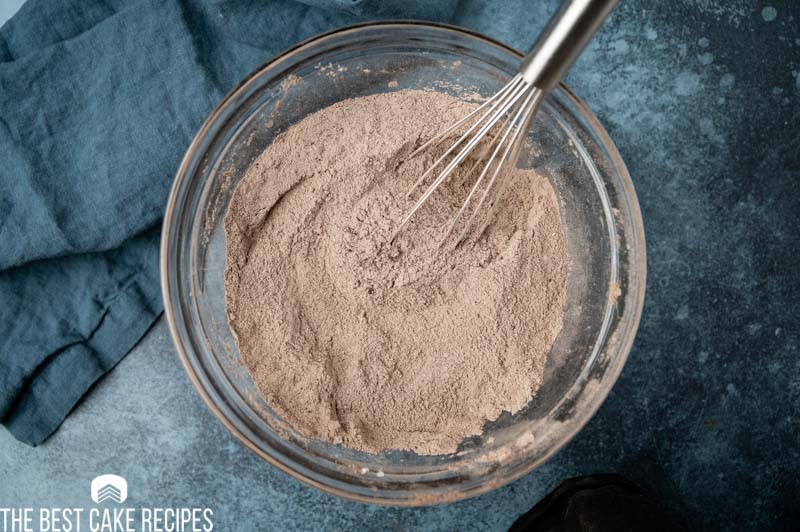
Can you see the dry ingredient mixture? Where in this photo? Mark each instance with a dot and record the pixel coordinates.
(377, 346)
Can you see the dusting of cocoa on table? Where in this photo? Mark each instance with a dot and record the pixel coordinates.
(377, 346)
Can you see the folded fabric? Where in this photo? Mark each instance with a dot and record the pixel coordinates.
(98, 101)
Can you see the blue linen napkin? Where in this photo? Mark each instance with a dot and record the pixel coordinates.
(98, 101)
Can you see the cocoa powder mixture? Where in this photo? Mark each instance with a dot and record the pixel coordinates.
(377, 346)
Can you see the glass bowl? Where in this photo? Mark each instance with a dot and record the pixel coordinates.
(603, 232)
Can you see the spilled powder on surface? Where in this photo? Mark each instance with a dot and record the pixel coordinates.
(377, 346)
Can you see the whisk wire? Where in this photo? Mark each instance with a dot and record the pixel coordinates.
(466, 150)
(493, 111)
(528, 109)
(513, 127)
(493, 204)
(540, 71)
(444, 133)
(505, 104)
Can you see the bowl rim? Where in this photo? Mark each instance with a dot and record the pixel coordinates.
(612, 371)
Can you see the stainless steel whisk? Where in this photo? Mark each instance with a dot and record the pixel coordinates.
(514, 106)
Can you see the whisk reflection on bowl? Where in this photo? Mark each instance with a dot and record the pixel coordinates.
(510, 110)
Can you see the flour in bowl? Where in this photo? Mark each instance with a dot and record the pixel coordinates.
(375, 345)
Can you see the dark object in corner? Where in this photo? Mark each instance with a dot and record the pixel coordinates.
(597, 503)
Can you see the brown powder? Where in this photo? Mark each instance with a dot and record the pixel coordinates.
(374, 346)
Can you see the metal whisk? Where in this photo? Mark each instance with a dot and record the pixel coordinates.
(512, 109)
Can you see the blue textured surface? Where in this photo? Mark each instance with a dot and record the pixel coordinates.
(703, 99)
(8, 8)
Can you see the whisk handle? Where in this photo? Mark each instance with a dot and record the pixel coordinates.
(562, 41)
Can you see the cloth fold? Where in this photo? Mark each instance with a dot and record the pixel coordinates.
(98, 101)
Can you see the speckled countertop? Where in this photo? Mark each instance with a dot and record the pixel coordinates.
(703, 99)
